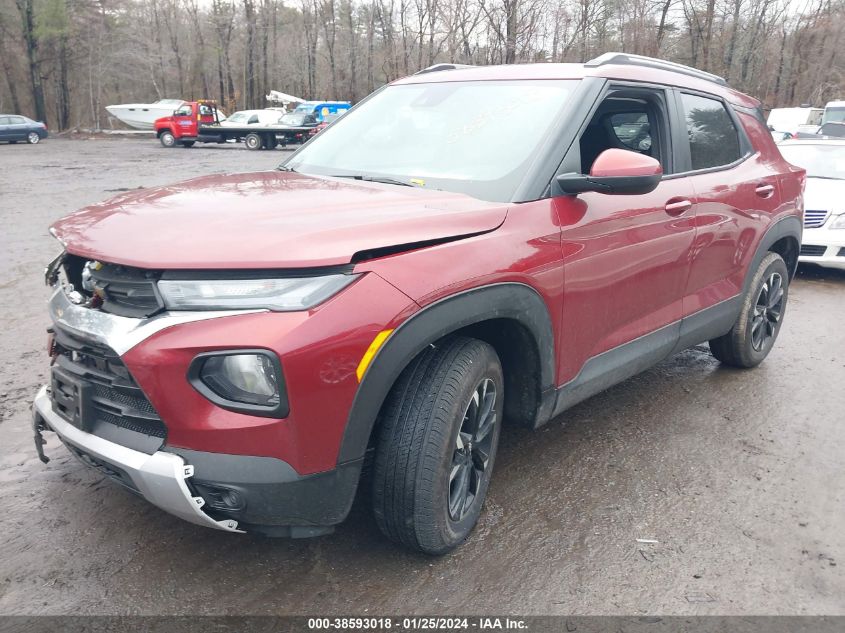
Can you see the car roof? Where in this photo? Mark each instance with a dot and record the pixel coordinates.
(619, 71)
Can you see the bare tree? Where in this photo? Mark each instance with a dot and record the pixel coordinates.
(66, 59)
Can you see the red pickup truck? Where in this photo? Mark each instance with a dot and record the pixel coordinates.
(237, 347)
(199, 122)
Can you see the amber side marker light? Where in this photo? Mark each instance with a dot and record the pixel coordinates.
(374, 347)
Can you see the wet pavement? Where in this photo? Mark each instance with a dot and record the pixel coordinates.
(690, 489)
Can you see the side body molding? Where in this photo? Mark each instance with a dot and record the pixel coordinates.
(514, 301)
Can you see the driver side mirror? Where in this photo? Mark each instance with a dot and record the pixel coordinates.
(616, 172)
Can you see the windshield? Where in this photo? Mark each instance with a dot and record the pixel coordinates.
(238, 117)
(820, 161)
(293, 119)
(474, 137)
(835, 115)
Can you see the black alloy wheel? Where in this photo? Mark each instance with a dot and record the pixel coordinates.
(767, 311)
(473, 445)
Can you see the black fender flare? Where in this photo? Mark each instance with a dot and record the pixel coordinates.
(785, 227)
(507, 300)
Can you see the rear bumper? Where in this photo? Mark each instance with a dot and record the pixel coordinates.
(234, 493)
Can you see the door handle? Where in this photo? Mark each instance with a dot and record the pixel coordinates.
(764, 190)
(678, 206)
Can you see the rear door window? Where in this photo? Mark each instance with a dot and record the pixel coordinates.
(713, 137)
(17, 120)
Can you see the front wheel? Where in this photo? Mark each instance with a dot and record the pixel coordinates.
(753, 335)
(437, 443)
(167, 139)
(253, 141)
(32, 138)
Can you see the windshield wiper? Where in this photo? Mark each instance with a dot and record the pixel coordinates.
(384, 179)
(825, 177)
(286, 168)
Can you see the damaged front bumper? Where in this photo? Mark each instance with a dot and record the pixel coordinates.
(161, 478)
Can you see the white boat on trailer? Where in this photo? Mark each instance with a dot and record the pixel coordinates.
(141, 116)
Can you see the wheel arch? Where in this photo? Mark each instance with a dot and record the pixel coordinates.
(788, 247)
(782, 237)
(512, 317)
(162, 131)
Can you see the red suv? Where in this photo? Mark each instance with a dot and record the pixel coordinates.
(236, 348)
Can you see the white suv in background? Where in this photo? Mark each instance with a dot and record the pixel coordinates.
(824, 199)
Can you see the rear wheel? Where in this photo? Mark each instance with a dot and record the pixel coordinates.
(758, 325)
(253, 141)
(439, 434)
(167, 139)
(32, 138)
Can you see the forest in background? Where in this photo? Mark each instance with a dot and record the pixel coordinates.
(63, 61)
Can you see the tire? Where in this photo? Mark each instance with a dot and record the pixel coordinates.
(253, 141)
(188, 143)
(167, 139)
(432, 467)
(756, 329)
(270, 142)
(32, 138)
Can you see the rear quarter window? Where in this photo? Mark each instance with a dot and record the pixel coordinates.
(713, 137)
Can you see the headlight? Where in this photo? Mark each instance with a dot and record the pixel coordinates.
(838, 222)
(233, 294)
(247, 381)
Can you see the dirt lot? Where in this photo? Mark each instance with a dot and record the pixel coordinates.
(738, 476)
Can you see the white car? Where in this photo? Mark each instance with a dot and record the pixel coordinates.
(794, 120)
(824, 199)
(252, 117)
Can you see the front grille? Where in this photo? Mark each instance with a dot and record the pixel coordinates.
(94, 390)
(812, 250)
(814, 219)
(125, 291)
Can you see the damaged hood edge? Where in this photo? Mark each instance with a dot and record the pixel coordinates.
(271, 220)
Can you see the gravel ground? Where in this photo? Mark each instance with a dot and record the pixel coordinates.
(737, 475)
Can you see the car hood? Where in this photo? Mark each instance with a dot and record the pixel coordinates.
(822, 194)
(268, 220)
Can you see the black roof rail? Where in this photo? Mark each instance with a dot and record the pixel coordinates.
(439, 67)
(627, 59)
